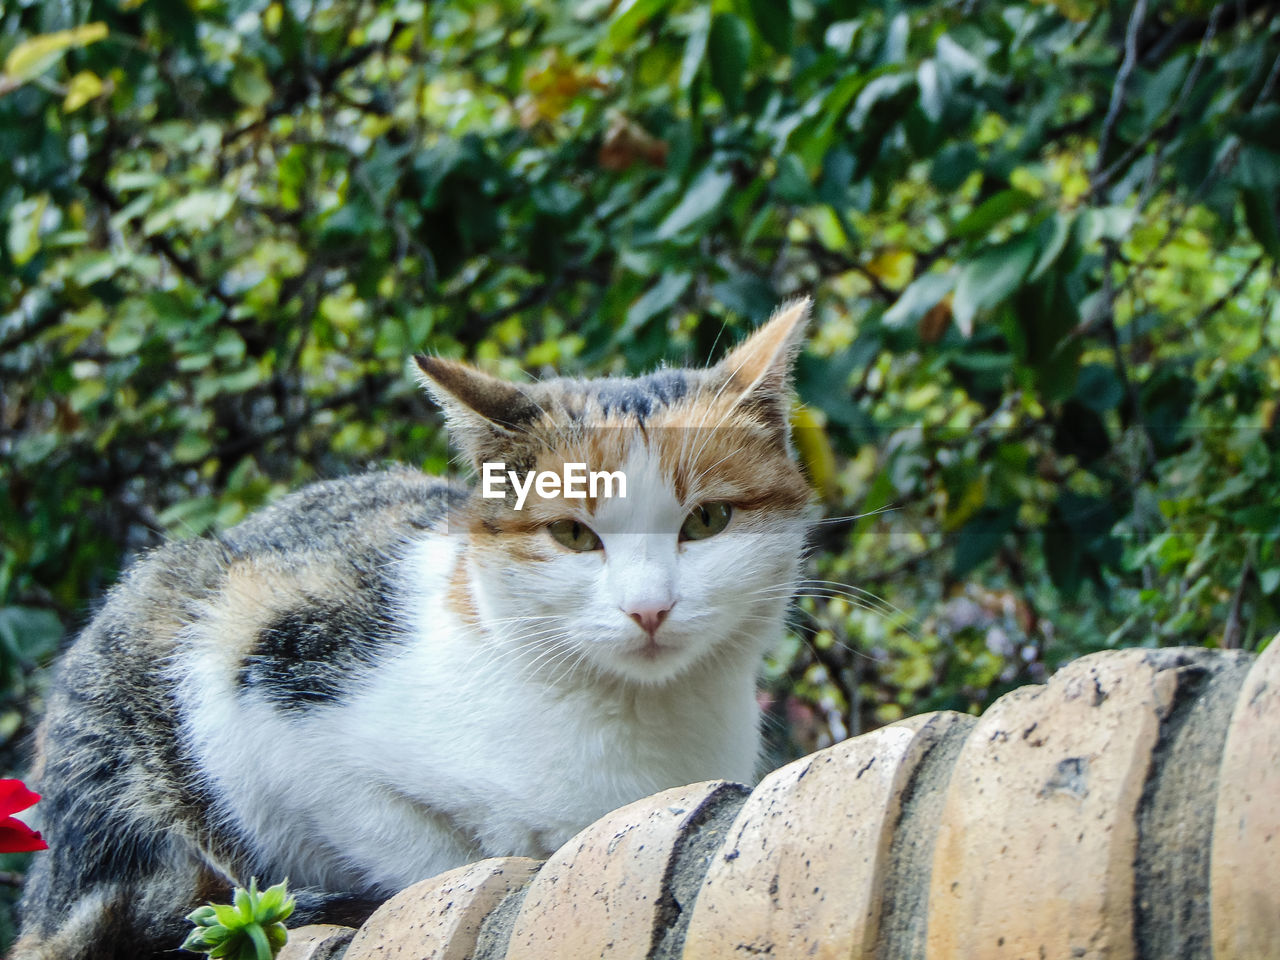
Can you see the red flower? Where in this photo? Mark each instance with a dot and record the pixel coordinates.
(16, 836)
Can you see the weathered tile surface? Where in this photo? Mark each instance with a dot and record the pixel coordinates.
(1245, 865)
(440, 918)
(801, 869)
(317, 941)
(904, 893)
(606, 893)
(1038, 837)
(1175, 815)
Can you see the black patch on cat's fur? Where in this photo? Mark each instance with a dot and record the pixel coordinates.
(312, 655)
(642, 396)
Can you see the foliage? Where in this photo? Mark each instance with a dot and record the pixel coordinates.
(1043, 239)
(249, 928)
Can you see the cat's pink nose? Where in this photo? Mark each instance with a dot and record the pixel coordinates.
(650, 618)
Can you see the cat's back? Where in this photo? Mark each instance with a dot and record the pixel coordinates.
(323, 543)
(371, 512)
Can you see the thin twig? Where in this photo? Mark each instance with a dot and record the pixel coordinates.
(1103, 179)
(1122, 82)
(1235, 291)
(1230, 154)
(1233, 632)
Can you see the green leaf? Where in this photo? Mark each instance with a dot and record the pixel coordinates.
(993, 210)
(1098, 388)
(249, 83)
(695, 48)
(204, 916)
(991, 279)
(1269, 581)
(701, 201)
(34, 56)
(1106, 223)
(840, 35)
(199, 211)
(791, 183)
(628, 21)
(747, 295)
(661, 296)
(262, 947)
(1260, 215)
(953, 165)
(24, 228)
(28, 634)
(919, 298)
(1260, 126)
(1047, 315)
(83, 87)
(275, 904)
(1160, 90)
(775, 21)
(244, 904)
(889, 89)
(124, 338)
(1056, 233)
(190, 518)
(956, 62)
(199, 941)
(729, 47)
(1257, 168)
(192, 446)
(980, 538)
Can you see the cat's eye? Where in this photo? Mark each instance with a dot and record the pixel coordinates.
(574, 535)
(706, 520)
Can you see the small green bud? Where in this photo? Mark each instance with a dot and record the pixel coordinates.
(197, 942)
(203, 916)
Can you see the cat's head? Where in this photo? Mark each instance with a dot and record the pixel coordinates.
(698, 560)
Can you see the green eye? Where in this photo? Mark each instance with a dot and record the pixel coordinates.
(706, 520)
(574, 535)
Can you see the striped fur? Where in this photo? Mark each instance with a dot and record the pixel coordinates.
(382, 677)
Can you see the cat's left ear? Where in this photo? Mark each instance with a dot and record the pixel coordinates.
(482, 412)
(759, 369)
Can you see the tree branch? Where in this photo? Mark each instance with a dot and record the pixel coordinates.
(1122, 82)
(301, 87)
(1233, 632)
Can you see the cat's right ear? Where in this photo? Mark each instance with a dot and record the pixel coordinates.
(481, 411)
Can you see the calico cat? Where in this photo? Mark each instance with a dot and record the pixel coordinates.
(382, 677)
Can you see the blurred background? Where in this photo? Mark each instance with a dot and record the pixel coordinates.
(1041, 389)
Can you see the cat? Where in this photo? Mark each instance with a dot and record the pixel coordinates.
(382, 677)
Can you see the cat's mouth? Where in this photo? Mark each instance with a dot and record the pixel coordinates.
(652, 651)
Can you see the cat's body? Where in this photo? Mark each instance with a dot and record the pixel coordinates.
(383, 677)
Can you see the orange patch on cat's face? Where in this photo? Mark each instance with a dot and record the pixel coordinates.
(720, 453)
